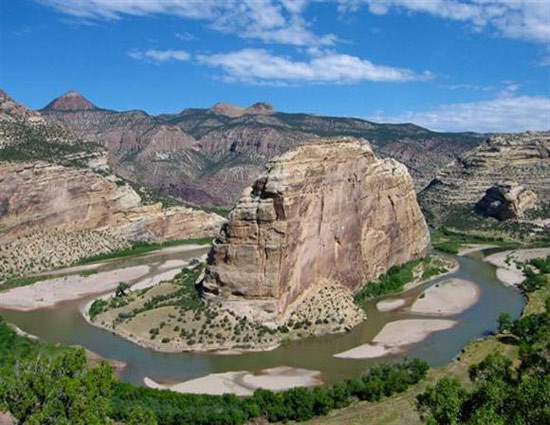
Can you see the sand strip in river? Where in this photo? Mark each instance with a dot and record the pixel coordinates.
(447, 298)
(47, 293)
(243, 383)
(507, 271)
(396, 336)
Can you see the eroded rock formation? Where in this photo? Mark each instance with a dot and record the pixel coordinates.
(523, 158)
(506, 200)
(329, 212)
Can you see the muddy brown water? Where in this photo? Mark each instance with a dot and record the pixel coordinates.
(64, 324)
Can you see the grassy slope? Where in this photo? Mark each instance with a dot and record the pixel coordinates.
(143, 247)
(401, 409)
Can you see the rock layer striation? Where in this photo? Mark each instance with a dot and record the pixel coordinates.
(523, 158)
(328, 212)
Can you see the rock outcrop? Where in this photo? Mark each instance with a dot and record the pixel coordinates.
(506, 200)
(46, 205)
(523, 158)
(329, 212)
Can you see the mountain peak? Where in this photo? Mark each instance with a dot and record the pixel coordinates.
(260, 108)
(227, 109)
(71, 101)
(237, 111)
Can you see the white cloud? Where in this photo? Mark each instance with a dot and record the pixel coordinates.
(501, 114)
(158, 56)
(185, 36)
(518, 19)
(278, 21)
(258, 66)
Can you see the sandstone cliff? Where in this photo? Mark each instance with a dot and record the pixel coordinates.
(329, 212)
(523, 158)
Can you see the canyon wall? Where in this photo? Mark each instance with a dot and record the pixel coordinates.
(523, 158)
(328, 212)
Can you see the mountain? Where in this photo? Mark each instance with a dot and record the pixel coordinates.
(208, 156)
(71, 101)
(60, 201)
(510, 163)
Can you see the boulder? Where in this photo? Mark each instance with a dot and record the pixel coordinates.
(506, 200)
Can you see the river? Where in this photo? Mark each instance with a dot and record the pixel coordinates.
(64, 324)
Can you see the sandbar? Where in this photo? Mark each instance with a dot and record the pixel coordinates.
(47, 293)
(507, 271)
(390, 304)
(447, 298)
(244, 383)
(396, 336)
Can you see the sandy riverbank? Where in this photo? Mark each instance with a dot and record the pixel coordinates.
(47, 293)
(447, 298)
(396, 336)
(507, 271)
(243, 383)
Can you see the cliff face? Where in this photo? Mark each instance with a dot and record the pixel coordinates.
(329, 212)
(523, 158)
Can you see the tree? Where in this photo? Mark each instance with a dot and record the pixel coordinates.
(121, 289)
(61, 390)
(504, 322)
(142, 416)
(443, 402)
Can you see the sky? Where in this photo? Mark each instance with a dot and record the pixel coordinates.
(448, 65)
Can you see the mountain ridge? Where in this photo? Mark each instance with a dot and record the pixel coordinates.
(208, 157)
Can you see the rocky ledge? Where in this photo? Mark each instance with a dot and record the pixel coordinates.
(328, 213)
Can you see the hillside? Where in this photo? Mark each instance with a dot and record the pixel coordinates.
(518, 165)
(208, 156)
(60, 202)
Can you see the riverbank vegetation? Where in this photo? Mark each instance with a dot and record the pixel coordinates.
(503, 390)
(402, 409)
(394, 281)
(451, 241)
(143, 247)
(61, 388)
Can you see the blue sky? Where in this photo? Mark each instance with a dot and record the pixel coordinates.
(455, 65)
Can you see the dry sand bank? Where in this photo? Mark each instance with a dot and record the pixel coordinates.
(447, 298)
(243, 383)
(507, 271)
(390, 304)
(396, 336)
(47, 293)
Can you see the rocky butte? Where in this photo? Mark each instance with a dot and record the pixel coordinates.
(328, 212)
